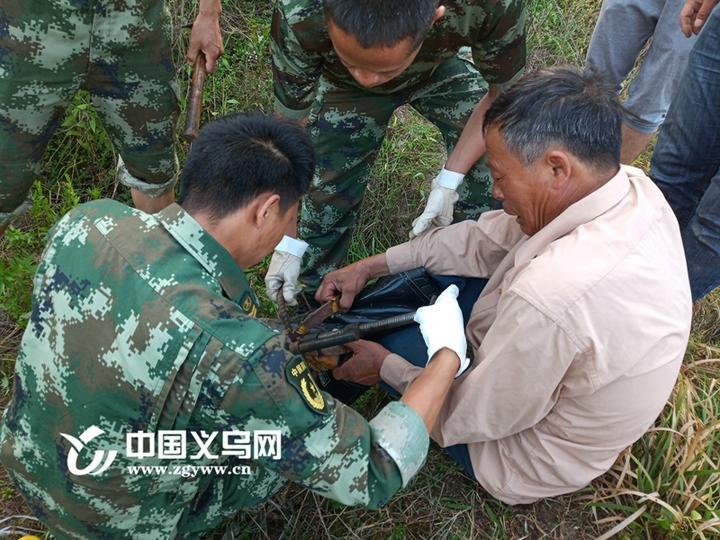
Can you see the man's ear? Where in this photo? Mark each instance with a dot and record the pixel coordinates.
(561, 167)
(439, 13)
(268, 208)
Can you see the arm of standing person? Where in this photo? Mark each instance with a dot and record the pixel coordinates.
(499, 53)
(206, 36)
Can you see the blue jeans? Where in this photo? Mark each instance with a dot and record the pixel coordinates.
(623, 29)
(408, 342)
(686, 161)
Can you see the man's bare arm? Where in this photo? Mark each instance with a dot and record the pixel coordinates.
(426, 395)
(471, 144)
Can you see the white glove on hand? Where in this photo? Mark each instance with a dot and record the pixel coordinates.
(284, 270)
(440, 204)
(442, 325)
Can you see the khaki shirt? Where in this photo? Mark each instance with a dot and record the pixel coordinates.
(578, 337)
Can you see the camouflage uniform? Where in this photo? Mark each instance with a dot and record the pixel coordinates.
(347, 121)
(144, 322)
(119, 52)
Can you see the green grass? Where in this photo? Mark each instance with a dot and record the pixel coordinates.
(667, 483)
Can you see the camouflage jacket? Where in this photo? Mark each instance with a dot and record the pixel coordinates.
(143, 323)
(302, 50)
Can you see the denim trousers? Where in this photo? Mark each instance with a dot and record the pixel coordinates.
(624, 28)
(686, 160)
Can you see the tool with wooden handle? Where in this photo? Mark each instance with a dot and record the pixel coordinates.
(195, 93)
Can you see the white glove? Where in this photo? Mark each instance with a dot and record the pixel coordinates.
(284, 270)
(441, 201)
(441, 325)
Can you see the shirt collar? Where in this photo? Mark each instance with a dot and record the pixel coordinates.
(208, 252)
(583, 211)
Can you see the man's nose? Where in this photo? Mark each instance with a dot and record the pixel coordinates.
(367, 78)
(497, 192)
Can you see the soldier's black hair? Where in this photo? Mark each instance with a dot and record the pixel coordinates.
(382, 23)
(238, 157)
(575, 109)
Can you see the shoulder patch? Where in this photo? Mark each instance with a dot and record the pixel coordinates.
(299, 376)
(248, 305)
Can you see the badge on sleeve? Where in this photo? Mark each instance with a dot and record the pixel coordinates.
(248, 305)
(299, 376)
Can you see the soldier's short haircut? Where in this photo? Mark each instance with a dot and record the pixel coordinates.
(561, 106)
(238, 157)
(382, 23)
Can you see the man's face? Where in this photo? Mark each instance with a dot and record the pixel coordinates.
(524, 190)
(376, 65)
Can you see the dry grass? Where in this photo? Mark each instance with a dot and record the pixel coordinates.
(673, 472)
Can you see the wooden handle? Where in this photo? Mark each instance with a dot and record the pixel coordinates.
(195, 92)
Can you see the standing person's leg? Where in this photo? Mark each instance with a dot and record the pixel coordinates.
(651, 92)
(702, 242)
(622, 30)
(133, 88)
(43, 66)
(448, 100)
(686, 161)
(347, 126)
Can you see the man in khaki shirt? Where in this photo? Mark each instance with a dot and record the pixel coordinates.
(579, 334)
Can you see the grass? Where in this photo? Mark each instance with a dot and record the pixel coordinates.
(665, 486)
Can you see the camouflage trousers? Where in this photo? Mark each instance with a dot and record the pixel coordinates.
(118, 51)
(347, 125)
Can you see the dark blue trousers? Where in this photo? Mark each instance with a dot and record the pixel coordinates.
(686, 161)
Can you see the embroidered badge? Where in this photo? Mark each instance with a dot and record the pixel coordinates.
(248, 306)
(301, 378)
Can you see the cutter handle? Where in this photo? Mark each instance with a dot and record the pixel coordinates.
(195, 92)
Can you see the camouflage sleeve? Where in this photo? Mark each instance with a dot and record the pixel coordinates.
(295, 70)
(500, 47)
(327, 446)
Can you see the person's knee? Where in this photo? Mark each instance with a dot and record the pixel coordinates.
(706, 228)
(619, 11)
(152, 174)
(143, 130)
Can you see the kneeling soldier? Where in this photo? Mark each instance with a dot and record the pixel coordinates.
(142, 355)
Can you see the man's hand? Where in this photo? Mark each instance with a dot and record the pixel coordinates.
(694, 14)
(364, 365)
(284, 270)
(440, 204)
(347, 282)
(350, 280)
(442, 326)
(206, 35)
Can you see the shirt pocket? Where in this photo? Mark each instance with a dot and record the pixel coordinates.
(180, 358)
